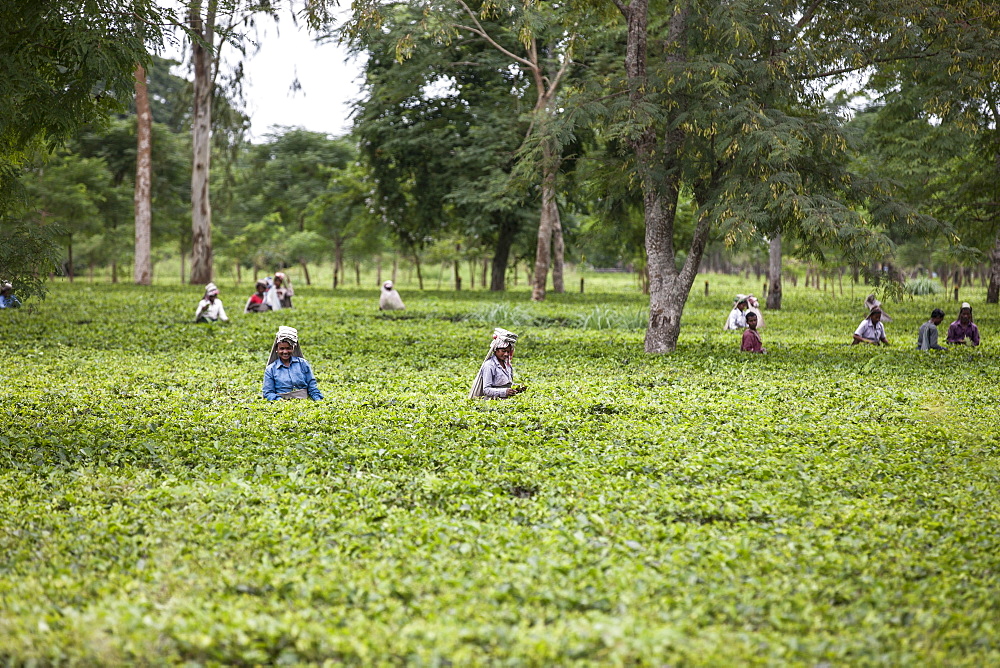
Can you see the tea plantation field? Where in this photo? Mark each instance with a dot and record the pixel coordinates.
(821, 505)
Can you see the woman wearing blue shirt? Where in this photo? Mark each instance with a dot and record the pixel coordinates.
(288, 375)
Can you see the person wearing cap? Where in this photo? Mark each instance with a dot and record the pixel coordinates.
(927, 336)
(287, 374)
(389, 300)
(283, 289)
(210, 307)
(7, 297)
(256, 302)
(736, 319)
(871, 330)
(964, 331)
(496, 376)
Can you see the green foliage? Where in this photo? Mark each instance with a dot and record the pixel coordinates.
(29, 250)
(923, 285)
(62, 65)
(822, 504)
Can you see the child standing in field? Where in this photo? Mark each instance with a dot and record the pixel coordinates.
(927, 337)
(751, 339)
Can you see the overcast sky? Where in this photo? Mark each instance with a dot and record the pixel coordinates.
(328, 79)
(329, 83)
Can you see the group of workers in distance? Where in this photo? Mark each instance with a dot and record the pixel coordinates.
(963, 331)
(287, 375)
(270, 295)
(274, 294)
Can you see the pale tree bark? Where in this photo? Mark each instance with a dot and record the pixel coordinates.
(143, 272)
(201, 140)
(546, 88)
(543, 247)
(774, 274)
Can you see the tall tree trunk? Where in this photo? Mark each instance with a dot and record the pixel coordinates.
(239, 273)
(357, 273)
(420, 277)
(143, 273)
(501, 253)
(114, 272)
(668, 288)
(543, 247)
(338, 263)
(774, 273)
(378, 269)
(485, 268)
(456, 264)
(993, 291)
(201, 141)
(305, 271)
(558, 250)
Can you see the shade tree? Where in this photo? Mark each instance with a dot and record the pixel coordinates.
(729, 106)
(64, 65)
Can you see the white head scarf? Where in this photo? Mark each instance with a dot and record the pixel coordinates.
(389, 299)
(289, 334)
(753, 306)
(501, 339)
(872, 304)
(210, 289)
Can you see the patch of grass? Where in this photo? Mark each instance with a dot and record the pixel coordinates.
(822, 504)
(923, 285)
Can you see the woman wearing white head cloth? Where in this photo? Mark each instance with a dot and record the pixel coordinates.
(283, 289)
(272, 299)
(737, 319)
(287, 374)
(496, 375)
(389, 300)
(210, 307)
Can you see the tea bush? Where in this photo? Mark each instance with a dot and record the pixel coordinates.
(822, 504)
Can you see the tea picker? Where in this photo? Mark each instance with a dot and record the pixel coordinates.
(495, 379)
(390, 300)
(287, 374)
